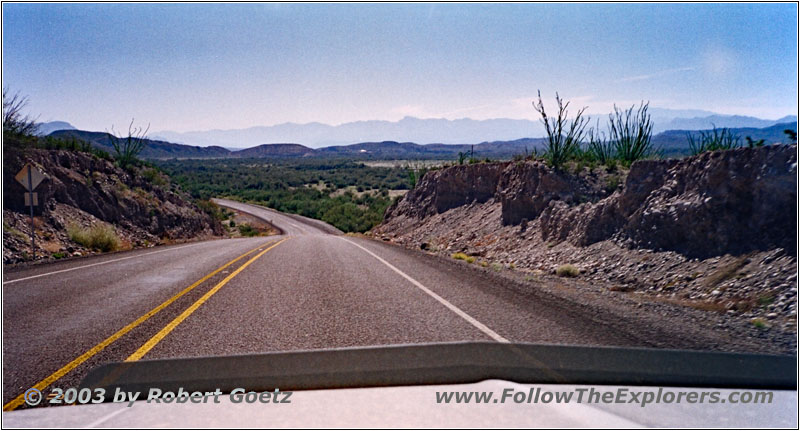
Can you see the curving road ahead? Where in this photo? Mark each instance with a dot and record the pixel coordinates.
(308, 288)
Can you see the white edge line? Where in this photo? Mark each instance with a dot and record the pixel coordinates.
(483, 328)
(98, 263)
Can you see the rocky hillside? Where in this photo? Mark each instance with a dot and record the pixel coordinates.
(88, 204)
(715, 231)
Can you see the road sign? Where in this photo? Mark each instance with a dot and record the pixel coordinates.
(30, 183)
(35, 199)
(30, 177)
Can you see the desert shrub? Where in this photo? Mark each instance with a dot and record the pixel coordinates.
(247, 230)
(153, 176)
(599, 148)
(563, 136)
(791, 135)
(98, 237)
(567, 271)
(464, 257)
(211, 208)
(713, 140)
(15, 122)
(754, 144)
(612, 183)
(630, 133)
(68, 143)
(415, 173)
(127, 148)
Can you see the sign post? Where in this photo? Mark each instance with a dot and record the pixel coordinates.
(30, 177)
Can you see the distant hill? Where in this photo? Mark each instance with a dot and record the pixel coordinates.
(274, 150)
(673, 142)
(44, 129)
(729, 121)
(153, 149)
(676, 140)
(410, 150)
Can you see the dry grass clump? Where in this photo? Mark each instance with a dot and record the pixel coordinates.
(463, 256)
(98, 237)
(567, 271)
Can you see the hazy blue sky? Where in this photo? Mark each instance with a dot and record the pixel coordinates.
(196, 67)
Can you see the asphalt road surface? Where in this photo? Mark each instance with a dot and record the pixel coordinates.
(307, 288)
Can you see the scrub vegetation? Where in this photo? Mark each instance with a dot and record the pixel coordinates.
(349, 195)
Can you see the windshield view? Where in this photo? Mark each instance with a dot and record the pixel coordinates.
(445, 215)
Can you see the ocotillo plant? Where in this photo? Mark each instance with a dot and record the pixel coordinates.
(563, 136)
(630, 133)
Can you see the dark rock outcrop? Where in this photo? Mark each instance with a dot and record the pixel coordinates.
(439, 191)
(125, 198)
(715, 203)
(526, 189)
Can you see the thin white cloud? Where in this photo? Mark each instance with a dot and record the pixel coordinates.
(656, 74)
(462, 111)
(418, 111)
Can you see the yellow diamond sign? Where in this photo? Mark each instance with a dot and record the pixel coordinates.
(36, 177)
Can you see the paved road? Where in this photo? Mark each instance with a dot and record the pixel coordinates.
(307, 288)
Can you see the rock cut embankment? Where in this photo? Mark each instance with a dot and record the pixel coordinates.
(719, 228)
(80, 191)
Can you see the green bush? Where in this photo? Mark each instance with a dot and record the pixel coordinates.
(211, 208)
(247, 230)
(153, 176)
(98, 237)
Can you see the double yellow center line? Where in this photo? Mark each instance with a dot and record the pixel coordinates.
(42, 385)
(177, 321)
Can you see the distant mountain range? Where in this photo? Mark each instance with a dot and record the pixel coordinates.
(730, 121)
(672, 142)
(44, 129)
(409, 129)
(426, 131)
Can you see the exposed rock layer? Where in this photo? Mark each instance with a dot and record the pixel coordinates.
(82, 189)
(708, 205)
(715, 231)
